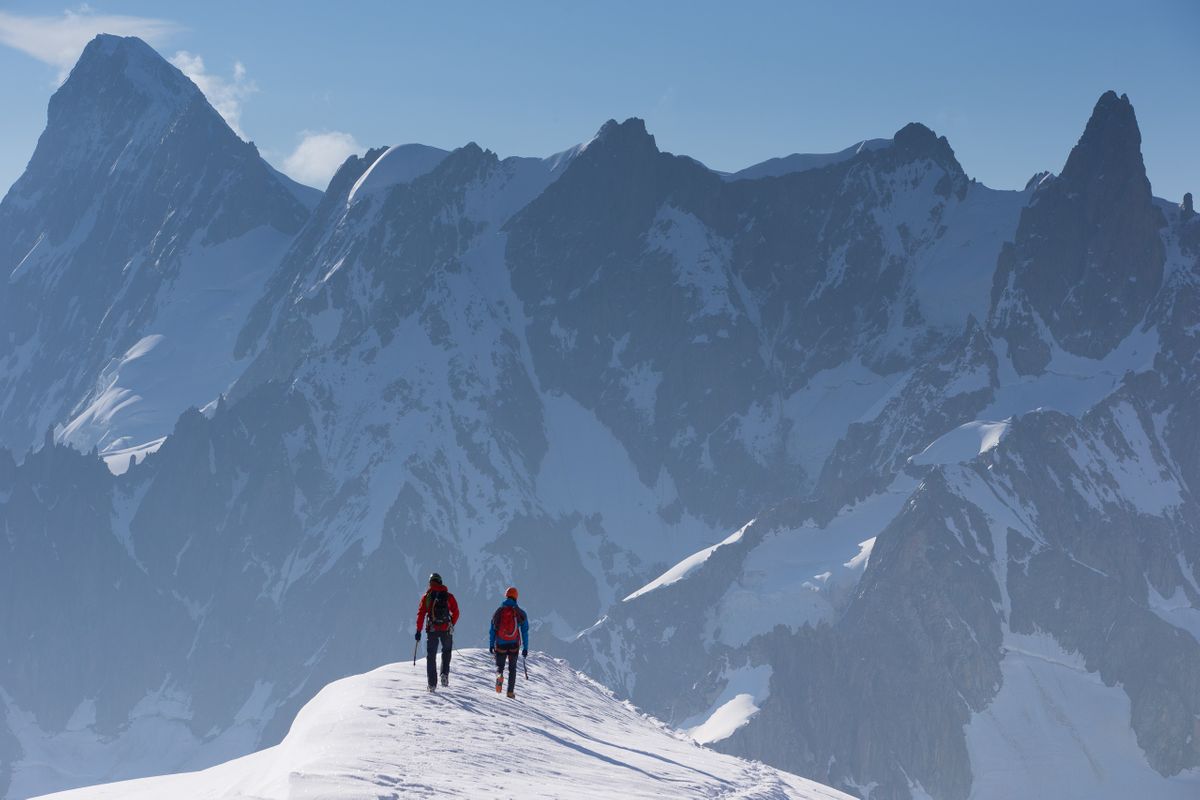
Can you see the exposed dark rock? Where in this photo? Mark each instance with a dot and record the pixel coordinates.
(1087, 259)
(1038, 179)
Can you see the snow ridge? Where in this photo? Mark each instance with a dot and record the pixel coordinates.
(564, 737)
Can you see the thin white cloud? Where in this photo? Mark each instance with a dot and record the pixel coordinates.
(59, 40)
(318, 156)
(226, 96)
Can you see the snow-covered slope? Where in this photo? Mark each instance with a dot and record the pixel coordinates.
(382, 735)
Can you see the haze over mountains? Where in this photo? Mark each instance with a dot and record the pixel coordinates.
(847, 463)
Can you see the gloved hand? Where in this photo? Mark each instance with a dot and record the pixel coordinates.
(491, 650)
(524, 653)
(418, 636)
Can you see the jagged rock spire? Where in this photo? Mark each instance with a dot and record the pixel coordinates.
(1087, 257)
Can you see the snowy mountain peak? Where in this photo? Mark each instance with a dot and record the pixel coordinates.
(134, 60)
(346, 178)
(565, 736)
(128, 121)
(117, 83)
(630, 135)
(916, 141)
(137, 203)
(397, 165)
(106, 45)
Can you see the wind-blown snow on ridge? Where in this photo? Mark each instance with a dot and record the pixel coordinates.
(382, 735)
(398, 165)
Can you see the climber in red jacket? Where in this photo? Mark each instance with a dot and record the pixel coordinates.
(438, 614)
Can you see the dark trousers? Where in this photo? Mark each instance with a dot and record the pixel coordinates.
(431, 648)
(511, 655)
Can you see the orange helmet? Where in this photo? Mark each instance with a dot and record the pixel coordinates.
(511, 592)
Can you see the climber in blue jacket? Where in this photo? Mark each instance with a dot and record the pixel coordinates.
(509, 633)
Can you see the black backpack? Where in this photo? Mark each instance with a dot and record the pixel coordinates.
(439, 609)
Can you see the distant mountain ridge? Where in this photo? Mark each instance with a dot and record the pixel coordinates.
(799, 162)
(959, 418)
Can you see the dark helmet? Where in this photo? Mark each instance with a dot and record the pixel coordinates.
(435, 578)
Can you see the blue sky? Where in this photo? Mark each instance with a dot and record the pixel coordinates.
(1009, 84)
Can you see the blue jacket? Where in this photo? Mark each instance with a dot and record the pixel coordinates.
(522, 618)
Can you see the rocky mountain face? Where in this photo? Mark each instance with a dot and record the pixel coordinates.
(1026, 583)
(1088, 256)
(576, 374)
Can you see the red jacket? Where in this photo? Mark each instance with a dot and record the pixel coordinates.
(426, 606)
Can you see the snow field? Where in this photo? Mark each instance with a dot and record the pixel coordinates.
(1055, 731)
(184, 356)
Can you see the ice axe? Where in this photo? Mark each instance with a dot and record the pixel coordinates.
(525, 664)
(415, 652)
